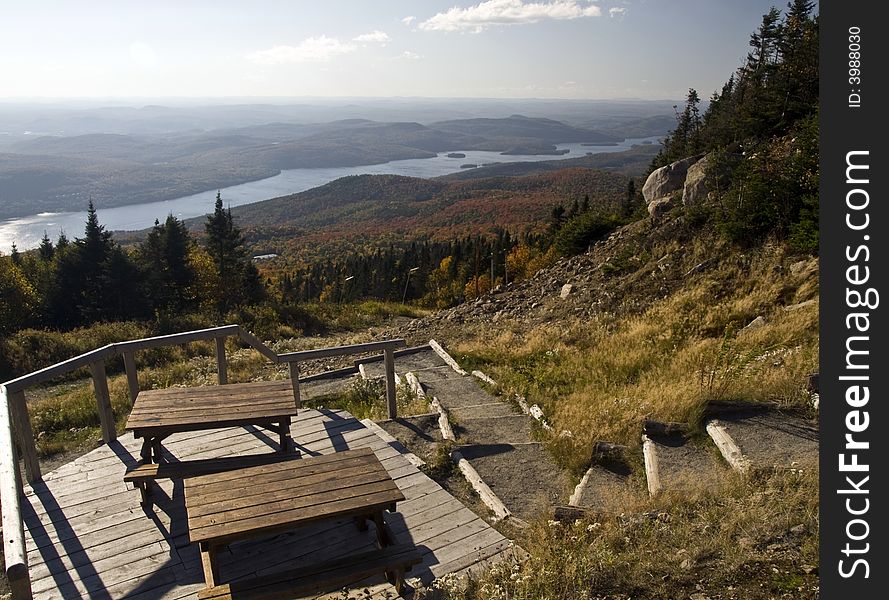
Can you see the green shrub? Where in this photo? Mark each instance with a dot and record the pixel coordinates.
(579, 233)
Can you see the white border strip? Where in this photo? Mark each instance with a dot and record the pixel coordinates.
(729, 449)
(649, 453)
(446, 357)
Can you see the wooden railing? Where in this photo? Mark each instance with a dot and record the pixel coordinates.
(15, 424)
(15, 553)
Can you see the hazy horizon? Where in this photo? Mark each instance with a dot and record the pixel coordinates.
(54, 51)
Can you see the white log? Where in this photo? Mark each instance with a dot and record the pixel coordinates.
(649, 453)
(436, 347)
(729, 449)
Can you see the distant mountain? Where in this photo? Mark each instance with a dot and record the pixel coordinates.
(518, 126)
(58, 173)
(370, 210)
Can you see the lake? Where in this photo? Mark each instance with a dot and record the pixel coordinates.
(27, 232)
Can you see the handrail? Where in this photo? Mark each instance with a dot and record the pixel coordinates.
(176, 338)
(15, 424)
(304, 355)
(15, 552)
(66, 366)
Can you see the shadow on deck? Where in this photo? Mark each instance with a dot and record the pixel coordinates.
(88, 536)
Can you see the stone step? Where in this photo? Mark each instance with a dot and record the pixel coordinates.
(455, 393)
(318, 388)
(511, 429)
(523, 476)
(766, 440)
(480, 411)
(604, 488)
(414, 361)
(674, 463)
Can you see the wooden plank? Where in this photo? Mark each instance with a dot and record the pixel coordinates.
(129, 363)
(66, 366)
(257, 345)
(175, 338)
(194, 468)
(13, 534)
(217, 421)
(276, 511)
(252, 522)
(294, 379)
(257, 492)
(221, 363)
(212, 409)
(391, 403)
(103, 399)
(271, 498)
(305, 355)
(17, 404)
(305, 467)
(216, 391)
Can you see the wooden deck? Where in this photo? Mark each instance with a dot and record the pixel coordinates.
(88, 537)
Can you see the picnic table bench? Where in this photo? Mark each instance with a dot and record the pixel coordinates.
(157, 414)
(265, 500)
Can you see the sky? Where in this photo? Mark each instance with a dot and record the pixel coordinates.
(650, 49)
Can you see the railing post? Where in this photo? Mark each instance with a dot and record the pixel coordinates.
(221, 364)
(129, 363)
(294, 378)
(18, 405)
(15, 551)
(389, 359)
(103, 399)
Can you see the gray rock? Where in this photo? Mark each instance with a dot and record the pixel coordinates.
(567, 290)
(695, 190)
(666, 180)
(794, 307)
(755, 323)
(658, 208)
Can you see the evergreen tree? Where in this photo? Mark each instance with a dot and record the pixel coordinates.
(164, 260)
(46, 250)
(225, 245)
(15, 256)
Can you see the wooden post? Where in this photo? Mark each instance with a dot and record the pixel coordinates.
(129, 363)
(103, 398)
(15, 550)
(19, 409)
(221, 364)
(294, 379)
(392, 405)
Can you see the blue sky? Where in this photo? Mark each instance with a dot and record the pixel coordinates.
(651, 49)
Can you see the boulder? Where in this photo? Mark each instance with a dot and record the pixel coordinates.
(666, 180)
(567, 290)
(657, 208)
(695, 190)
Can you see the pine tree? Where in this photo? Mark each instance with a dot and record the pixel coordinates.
(46, 250)
(225, 245)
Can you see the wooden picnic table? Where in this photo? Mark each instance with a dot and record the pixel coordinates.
(269, 499)
(159, 413)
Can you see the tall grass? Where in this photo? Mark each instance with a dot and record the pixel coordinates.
(600, 378)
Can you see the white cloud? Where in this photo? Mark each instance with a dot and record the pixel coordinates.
(492, 13)
(616, 11)
(410, 55)
(314, 49)
(408, 20)
(374, 37)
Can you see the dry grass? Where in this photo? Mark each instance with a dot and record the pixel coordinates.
(600, 378)
(752, 539)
